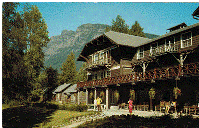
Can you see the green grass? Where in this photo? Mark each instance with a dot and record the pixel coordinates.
(37, 115)
(60, 117)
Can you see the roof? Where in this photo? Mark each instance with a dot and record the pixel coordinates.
(61, 87)
(196, 13)
(126, 39)
(116, 39)
(72, 88)
(174, 32)
(182, 25)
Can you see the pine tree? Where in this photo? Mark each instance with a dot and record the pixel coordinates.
(136, 30)
(82, 74)
(119, 25)
(68, 69)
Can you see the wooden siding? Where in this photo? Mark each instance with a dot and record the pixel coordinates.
(148, 58)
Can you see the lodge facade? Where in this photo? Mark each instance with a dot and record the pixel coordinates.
(118, 63)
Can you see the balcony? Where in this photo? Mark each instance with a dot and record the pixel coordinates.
(155, 74)
(99, 63)
(163, 49)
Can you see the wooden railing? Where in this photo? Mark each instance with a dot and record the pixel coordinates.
(99, 62)
(163, 49)
(157, 73)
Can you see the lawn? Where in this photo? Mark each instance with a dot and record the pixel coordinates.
(29, 116)
(62, 117)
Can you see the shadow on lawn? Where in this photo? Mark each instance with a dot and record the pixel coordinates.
(25, 116)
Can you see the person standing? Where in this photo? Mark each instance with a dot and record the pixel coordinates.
(99, 100)
(130, 105)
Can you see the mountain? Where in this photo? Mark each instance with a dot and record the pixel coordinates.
(60, 46)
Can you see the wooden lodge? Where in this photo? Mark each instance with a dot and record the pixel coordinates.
(118, 63)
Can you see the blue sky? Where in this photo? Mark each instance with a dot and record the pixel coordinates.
(155, 18)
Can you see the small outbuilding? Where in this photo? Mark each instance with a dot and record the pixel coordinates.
(60, 96)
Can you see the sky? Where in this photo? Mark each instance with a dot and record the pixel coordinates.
(155, 18)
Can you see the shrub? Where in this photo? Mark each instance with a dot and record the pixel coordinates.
(73, 107)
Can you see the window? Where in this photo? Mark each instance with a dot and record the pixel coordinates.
(170, 41)
(101, 57)
(140, 53)
(186, 40)
(96, 58)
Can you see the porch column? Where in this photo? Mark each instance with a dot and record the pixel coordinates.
(78, 97)
(86, 96)
(95, 97)
(107, 100)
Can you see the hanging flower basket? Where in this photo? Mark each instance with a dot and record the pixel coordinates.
(117, 95)
(152, 93)
(91, 95)
(102, 94)
(176, 92)
(132, 94)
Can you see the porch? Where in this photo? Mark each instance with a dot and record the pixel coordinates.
(163, 80)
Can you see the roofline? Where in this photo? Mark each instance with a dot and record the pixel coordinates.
(172, 33)
(148, 42)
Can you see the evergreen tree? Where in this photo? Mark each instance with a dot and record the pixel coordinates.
(136, 30)
(68, 69)
(82, 74)
(118, 25)
(51, 82)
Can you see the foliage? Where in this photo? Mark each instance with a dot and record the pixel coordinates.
(176, 92)
(69, 73)
(136, 30)
(119, 25)
(24, 35)
(116, 95)
(152, 93)
(82, 74)
(136, 121)
(132, 94)
(13, 70)
(71, 107)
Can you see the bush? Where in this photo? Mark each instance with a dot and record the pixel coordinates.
(73, 107)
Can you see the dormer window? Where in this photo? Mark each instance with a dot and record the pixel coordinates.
(140, 53)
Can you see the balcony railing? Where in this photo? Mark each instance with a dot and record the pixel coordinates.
(162, 49)
(162, 73)
(100, 62)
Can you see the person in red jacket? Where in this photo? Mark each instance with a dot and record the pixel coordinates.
(130, 105)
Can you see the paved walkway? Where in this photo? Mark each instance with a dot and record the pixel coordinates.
(119, 112)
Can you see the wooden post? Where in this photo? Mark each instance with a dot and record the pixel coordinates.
(155, 108)
(107, 100)
(95, 97)
(86, 96)
(78, 101)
